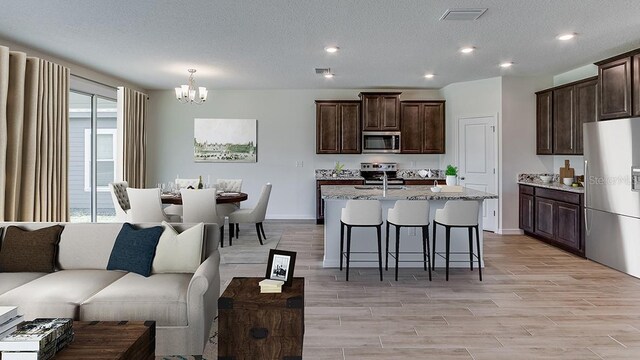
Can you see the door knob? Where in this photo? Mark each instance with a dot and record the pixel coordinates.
(462, 178)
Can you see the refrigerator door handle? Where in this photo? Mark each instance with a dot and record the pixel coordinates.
(586, 197)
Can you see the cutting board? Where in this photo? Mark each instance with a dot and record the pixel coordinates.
(566, 171)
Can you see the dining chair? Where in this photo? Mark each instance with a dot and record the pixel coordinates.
(229, 185)
(146, 206)
(120, 199)
(200, 206)
(252, 216)
(176, 210)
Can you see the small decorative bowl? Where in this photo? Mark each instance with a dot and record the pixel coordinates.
(546, 178)
(436, 189)
(567, 181)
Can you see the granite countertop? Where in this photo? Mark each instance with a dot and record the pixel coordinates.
(347, 192)
(552, 185)
(339, 178)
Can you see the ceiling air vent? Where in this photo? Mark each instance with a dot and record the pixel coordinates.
(323, 71)
(462, 14)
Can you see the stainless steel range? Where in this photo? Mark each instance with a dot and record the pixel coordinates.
(374, 172)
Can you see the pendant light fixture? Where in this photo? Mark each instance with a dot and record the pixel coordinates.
(187, 93)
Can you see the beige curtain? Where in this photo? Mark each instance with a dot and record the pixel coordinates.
(133, 111)
(33, 138)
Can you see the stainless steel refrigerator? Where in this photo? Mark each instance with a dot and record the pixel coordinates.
(612, 193)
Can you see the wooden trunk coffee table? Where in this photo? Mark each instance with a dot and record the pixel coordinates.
(111, 340)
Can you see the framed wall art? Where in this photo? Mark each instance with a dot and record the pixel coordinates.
(225, 140)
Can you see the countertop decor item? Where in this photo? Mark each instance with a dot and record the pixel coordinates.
(567, 171)
(546, 178)
(451, 175)
(338, 168)
(567, 181)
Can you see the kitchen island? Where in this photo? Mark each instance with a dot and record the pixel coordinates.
(335, 198)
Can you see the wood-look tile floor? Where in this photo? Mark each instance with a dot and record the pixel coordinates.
(536, 302)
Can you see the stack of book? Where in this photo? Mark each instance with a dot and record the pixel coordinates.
(270, 286)
(9, 320)
(39, 339)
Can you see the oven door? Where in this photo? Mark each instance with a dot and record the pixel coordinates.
(380, 142)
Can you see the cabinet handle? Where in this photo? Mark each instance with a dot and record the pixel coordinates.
(259, 333)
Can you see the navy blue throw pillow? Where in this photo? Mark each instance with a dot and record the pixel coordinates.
(135, 249)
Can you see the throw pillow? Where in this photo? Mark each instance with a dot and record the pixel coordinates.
(179, 253)
(134, 249)
(30, 251)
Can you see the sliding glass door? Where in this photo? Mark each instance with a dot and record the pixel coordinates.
(92, 156)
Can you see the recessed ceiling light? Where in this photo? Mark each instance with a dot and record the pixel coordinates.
(429, 76)
(506, 64)
(328, 76)
(565, 37)
(331, 49)
(467, 50)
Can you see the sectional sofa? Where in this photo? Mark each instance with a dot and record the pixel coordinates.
(183, 305)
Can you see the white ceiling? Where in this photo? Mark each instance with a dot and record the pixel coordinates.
(245, 44)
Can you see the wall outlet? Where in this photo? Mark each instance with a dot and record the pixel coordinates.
(299, 164)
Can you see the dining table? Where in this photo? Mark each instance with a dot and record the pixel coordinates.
(221, 198)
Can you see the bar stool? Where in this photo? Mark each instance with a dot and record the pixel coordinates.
(458, 214)
(360, 213)
(409, 213)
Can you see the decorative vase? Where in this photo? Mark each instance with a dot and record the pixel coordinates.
(451, 180)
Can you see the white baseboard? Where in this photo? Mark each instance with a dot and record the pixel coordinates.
(510, 232)
(291, 217)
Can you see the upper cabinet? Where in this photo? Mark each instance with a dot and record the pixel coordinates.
(619, 86)
(380, 111)
(422, 130)
(338, 127)
(560, 113)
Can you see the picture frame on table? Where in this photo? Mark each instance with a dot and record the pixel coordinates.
(280, 266)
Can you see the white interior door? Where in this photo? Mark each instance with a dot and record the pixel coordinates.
(477, 161)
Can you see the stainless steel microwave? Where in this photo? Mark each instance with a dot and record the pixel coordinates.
(380, 141)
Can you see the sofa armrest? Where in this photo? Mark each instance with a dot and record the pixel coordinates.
(202, 299)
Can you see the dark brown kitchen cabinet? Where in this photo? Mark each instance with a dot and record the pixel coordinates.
(636, 85)
(561, 111)
(614, 88)
(423, 182)
(380, 111)
(320, 202)
(586, 109)
(564, 120)
(423, 126)
(338, 127)
(553, 216)
(544, 125)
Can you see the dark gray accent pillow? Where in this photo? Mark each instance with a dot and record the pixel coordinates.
(135, 249)
(30, 251)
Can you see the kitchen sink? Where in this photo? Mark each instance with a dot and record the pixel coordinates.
(379, 187)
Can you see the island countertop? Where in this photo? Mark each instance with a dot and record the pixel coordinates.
(417, 192)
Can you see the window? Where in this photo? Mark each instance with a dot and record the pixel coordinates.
(106, 154)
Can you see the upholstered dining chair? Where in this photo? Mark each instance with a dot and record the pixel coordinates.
(176, 210)
(200, 206)
(229, 185)
(146, 206)
(120, 199)
(252, 216)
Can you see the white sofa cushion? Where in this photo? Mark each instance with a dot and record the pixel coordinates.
(87, 246)
(178, 252)
(58, 294)
(10, 281)
(160, 297)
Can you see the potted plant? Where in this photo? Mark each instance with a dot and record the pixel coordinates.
(451, 174)
(337, 170)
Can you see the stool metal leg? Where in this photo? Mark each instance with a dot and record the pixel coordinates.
(470, 248)
(433, 254)
(479, 253)
(386, 253)
(425, 239)
(348, 249)
(341, 243)
(397, 249)
(448, 247)
(379, 231)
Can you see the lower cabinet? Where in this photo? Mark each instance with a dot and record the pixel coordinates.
(423, 182)
(553, 216)
(320, 202)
